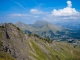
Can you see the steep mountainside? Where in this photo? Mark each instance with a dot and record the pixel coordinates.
(14, 45)
(13, 41)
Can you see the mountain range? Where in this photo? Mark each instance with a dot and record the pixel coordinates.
(53, 31)
(41, 28)
(15, 45)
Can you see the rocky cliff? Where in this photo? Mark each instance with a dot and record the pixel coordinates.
(13, 40)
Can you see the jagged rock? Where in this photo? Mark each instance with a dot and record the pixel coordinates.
(13, 41)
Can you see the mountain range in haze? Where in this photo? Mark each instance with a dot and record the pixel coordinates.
(52, 31)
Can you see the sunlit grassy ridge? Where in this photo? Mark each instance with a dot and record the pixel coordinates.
(41, 50)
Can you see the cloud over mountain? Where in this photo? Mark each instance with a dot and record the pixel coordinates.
(68, 11)
(66, 14)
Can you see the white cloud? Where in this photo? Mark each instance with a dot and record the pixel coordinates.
(69, 3)
(24, 16)
(36, 16)
(18, 15)
(68, 11)
(35, 11)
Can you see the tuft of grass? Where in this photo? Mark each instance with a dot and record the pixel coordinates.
(5, 56)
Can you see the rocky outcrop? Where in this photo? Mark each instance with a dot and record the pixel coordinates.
(13, 41)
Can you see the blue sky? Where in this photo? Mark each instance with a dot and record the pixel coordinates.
(28, 11)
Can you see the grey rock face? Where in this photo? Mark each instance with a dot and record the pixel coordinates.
(13, 41)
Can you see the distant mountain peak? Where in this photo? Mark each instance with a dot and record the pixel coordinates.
(40, 23)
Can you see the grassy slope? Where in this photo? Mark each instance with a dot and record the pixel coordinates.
(41, 50)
